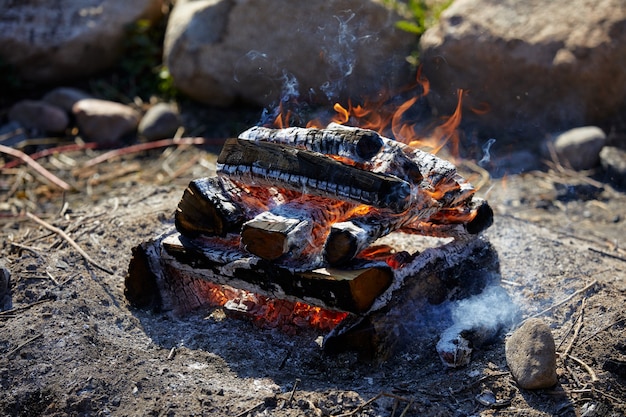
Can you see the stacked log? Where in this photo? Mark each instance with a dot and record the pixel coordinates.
(315, 197)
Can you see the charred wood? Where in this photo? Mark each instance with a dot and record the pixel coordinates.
(454, 271)
(356, 144)
(208, 207)
(265, 164)
(176, 267)
(297, 228)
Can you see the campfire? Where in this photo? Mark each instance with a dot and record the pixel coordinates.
(288, 228)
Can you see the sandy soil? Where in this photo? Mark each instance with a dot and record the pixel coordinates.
(71, 345)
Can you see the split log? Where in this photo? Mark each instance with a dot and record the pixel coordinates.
(270, 235)
(297, 228)
(356, 144)
(270, 164)
(347, 239)
(208, 207)
(173, 268)
(217, 206)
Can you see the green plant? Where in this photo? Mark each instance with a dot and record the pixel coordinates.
(140, 72)
(418, 15)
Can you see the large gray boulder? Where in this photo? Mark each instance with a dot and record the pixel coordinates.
(528, 66)
(218, 51)
(58, 41)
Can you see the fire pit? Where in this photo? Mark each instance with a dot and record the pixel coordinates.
(293, 221)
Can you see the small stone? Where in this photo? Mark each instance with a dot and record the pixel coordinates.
(531, 355)
(103, 121)
(65, 97)
(161, 121)
(613, 161)
(35, 114)
(580, 148)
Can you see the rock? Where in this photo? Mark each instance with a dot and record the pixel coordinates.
(65, 97)
(74, 38)
(105, 122)
(12, 133)
(35, 114)
(161, 121)
(579, 148)
(531, 355)
(532, 66)
(613, 161)
(218, 50)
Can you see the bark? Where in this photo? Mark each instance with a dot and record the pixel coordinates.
(268, 164)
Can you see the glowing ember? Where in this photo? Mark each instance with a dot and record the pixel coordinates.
(270, 313)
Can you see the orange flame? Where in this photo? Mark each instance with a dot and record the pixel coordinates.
(271, 313)
(386, 117)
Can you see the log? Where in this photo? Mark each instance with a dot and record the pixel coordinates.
(346, 239)
(436, 276)
(297, 228)
(265, 164)
(208, 207)
(171, 270)
(271, 236)
(356, 144)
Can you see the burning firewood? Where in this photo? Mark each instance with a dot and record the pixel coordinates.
(208, 207)
(292, 215)
(168, 270)
(269, 165)
(347, 239)
(359, 145)
(297, 228)
(294, 204)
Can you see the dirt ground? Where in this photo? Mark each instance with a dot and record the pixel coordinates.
(70, 344)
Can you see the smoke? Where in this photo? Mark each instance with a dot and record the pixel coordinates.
(486, 159)
(476, 321)
(491, 310)
(338, 49)
(341, 57)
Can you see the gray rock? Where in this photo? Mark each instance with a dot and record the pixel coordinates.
(12, 133)
(160, 121)
(535, 66)
(103, 121)
(73, 38)
(613, 161)
(531, 355)
(35, 114)
(579, 148)
(65, 97)
(221, 50)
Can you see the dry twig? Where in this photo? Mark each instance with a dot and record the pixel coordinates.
(70, 241)
(587, 368)
(21, 345)
(585, 340)
(144, 147)
(52, 151)
(11, 312)
(579, 325)
(565, 300)
(293, 390)
(36, 166)
(250, 410)
(609, 255)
